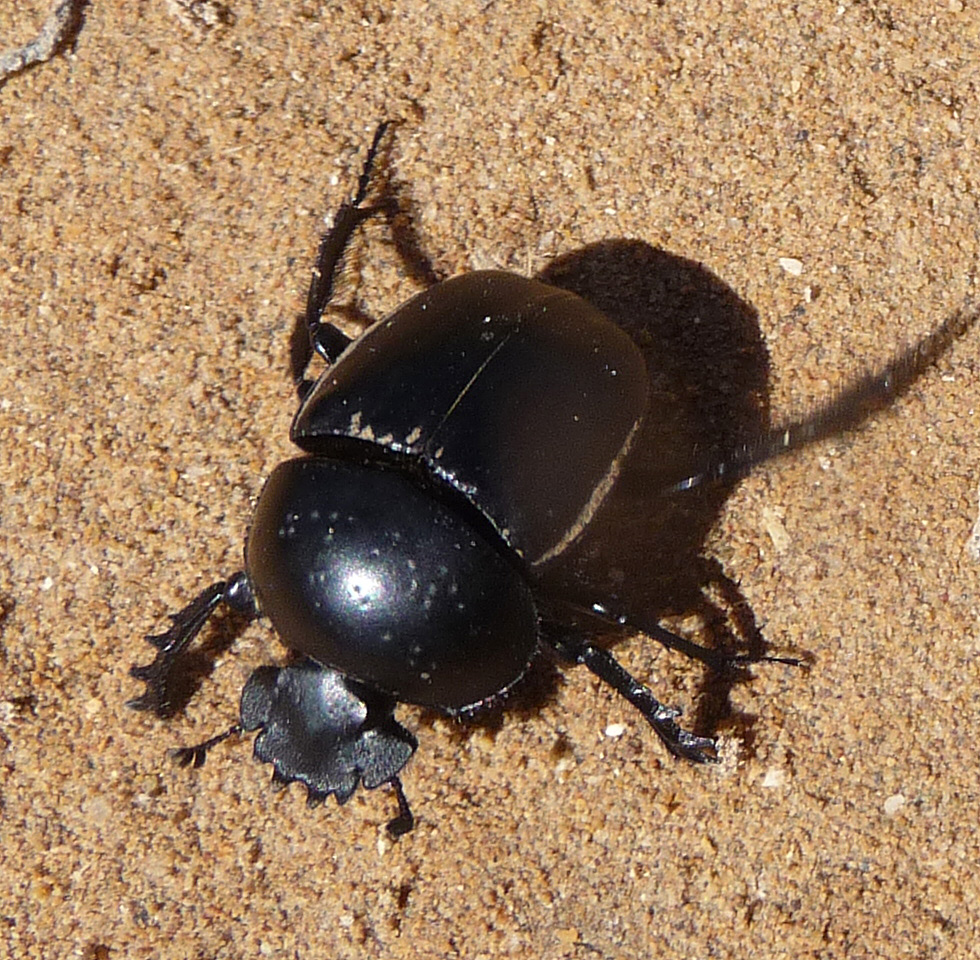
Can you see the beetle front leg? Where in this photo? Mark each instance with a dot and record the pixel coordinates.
(185, 626)
(662, 718)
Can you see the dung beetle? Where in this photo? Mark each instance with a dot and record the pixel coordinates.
(451, 455)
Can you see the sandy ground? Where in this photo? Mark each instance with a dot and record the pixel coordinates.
(162, 184)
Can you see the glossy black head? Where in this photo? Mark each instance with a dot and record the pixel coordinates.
(362, 570)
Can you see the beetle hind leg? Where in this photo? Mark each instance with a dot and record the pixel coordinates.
(324, 338)
(662, 718)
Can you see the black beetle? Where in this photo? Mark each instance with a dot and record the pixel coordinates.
(451, 454)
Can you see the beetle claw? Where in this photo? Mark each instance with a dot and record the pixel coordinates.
(156, 697)
(680, 742)
(189, 756)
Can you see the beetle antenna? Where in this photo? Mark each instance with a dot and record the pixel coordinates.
(196, 755)
(846, 411)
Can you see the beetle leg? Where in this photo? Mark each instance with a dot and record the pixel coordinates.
(405, 821)
(848, 409)
(325, 338)
(597, 616)
(662, 718)
(185, 626)
(718, 660)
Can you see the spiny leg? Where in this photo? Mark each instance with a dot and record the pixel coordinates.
(718, 660)
(325, 338)
(662, 718)
(565, 627)
(236, 593)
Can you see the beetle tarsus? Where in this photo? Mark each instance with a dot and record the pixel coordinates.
(744, 659)
(681, 743)
(184, 627)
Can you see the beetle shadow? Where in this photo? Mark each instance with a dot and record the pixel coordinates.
(642, 555)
